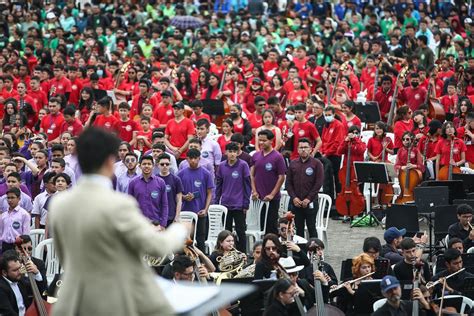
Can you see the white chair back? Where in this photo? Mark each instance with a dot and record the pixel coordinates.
(52, 260)
(217, 216)
(37, 236)
(465, 302)
(192, 218)
(366, 135)
(284, 203)
(379, 303)
(254, 229)
(322, 217)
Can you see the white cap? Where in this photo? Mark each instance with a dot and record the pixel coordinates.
(50, 15)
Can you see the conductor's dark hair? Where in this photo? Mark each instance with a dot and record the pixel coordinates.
(7, 257)
(94, 147)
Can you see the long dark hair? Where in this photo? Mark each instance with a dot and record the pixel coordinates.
(188, 86)
(210, 88)
(83, 103)
(383, 127)
(266, 260)
(282, 285)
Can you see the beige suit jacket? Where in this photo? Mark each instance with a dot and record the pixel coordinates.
(101, 236)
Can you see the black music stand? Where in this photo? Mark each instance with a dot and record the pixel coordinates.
(455, 187)
(455, 302)
(371, 173)
(367, 294)
(467, 180)
(213, 107)
(403, 216)
(368, 112)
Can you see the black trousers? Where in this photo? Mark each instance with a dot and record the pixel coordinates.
(336, 164)
(237, 217)
(272, 217)
(202, 228)
(308, 216)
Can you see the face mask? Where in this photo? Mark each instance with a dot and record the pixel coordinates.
(329, 118)
(290, 117)
(415, 84)
(100, 72)
(234, 115)
(189, 34)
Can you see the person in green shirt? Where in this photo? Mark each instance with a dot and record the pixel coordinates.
(146, 45)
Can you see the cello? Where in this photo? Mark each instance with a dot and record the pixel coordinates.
(349, 202)
(39, 307)
(391, 113)
(386, 193)
(435, 108)
(408, 179)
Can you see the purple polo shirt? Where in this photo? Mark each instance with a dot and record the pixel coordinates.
(196, 181)
(233, 185)
(23, 188)
(267, 170)
(151, 197)
(14, 224)
(173, 187)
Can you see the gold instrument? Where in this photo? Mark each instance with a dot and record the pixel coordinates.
(247, 272)
(154, 261)
(230, 264)
(433, 284)
(340, 286)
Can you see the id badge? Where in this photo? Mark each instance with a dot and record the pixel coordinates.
(311, 205)
(50, 131)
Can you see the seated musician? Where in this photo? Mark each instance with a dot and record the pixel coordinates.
(224, 245)
(27, 246)
(282, 295)
(288, 233)
(379, 142)
(455, 283)
(273, 250)
(427, 146)
(325, 274)
(393, 237)
(15, 292)
(184, 269)
(443, 149)
(416, 160)
(463, 229)
(373, 248)
(392, 291)
(411, 257)
(206, 263)
(304, 289)
(362, 265)
(466, 132)
(456, 243)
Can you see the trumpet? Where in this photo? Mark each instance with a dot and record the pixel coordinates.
(433, 284)
(340, 286)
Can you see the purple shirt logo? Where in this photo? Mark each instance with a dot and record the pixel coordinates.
(168, 188)
(197, 183)
(309, 171)
(268, 166)
(16, 225)
(205, 154)
(154, 194)
(235, 174)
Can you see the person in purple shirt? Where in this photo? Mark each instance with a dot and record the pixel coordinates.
(267, 177)
(13, 181)
(303, 180)
(174, 188)
(34, 178)
(14, 222)
(123, 180)
(197, 193)
(233, 191)
(150, 193)
(10, 168)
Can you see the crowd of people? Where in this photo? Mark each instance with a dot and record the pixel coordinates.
(227, 102)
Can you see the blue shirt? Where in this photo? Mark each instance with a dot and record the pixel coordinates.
(151, 197)
(196, 181)
(123, 181)
(233, 185)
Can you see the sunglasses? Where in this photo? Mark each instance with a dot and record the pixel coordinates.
(406, 139)
(164, 164)
(270, 248)
(130, 160)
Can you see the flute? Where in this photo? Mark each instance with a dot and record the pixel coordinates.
(340, 286)
(433, 284)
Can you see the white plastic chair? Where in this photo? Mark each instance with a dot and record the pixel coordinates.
(37, 236)
(322, 217)
(284, 203)
(189, 217)
(217, 216)
(366, 135)
(470, 250)
(465, 302)
(379, 304)
(253, 221)
(52, 260)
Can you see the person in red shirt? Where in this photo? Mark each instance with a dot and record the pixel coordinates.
(128, 127)
(384, 97)
(357, 146)
(105, 119)
(298, 94)
(198, 114)
(142, 142)
(427, 145)
(164, 111)
(379, 144)
(218, 67)
(466, 133)
(300, 59)
(45, 79)
(7, 92)
(51, 123)
(147, 111)
(26, 105)
(420, 124)
(347, 108)
(367, 77)
(446, 71)
(271, 63)
(141, 98)
(76, 85)
(443, 149)
(255, 119)
(227, 132)
(416, 160)
(60, 84)
(40, 100)
(71, 124)
(413, 95)
(450, 100)
(178, 132)
(256, 89)
(403, 123)
(304, 129)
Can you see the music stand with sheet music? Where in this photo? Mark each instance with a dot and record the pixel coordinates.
(371, 173)
(368, 112)
(213, 107)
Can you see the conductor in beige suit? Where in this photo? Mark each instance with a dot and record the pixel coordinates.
(101, 236)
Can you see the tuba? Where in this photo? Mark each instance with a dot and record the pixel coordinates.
(230, 264)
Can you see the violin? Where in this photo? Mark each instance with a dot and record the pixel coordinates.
(349, 202)
(408, 179)
(39, 307)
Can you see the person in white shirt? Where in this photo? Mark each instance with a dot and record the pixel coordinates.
(210, 150)
(39, 212)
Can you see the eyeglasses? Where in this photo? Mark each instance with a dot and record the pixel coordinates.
(319, 91)
(270, 248)
(406, 139)
(2, 144)
(164, 164)
(130, 160)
